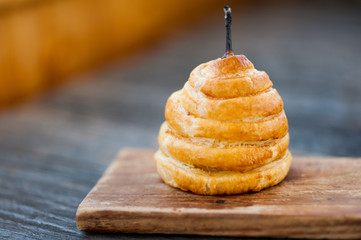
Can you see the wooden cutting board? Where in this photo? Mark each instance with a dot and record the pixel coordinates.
(320, 198)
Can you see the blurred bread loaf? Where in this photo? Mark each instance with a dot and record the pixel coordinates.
(43, 42)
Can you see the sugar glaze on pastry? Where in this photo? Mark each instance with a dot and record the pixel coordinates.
(225, 132)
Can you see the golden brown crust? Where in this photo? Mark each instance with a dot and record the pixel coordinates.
(263, 104)
(229, 66)
(190, 178)
(236, 156)
(225, 132)
(229, 77)
(185, 124)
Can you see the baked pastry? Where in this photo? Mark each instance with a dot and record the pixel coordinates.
(225, 132)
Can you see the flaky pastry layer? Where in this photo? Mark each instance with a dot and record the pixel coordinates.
(200, 181)
(236, 156)
(263, 104)
(229, 77)
(249, 130)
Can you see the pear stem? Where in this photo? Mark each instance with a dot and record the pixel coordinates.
(228, 17)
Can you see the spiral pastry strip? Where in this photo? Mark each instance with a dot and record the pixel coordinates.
(225, 132)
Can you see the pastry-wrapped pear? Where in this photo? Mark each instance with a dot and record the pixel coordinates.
(225, 132)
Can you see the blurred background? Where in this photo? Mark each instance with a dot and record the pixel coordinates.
(80, 79)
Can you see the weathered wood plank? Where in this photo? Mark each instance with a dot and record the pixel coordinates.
(320, 198)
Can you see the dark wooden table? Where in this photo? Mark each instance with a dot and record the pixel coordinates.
(55, 148)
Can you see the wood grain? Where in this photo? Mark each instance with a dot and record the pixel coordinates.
(320, 198)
